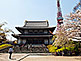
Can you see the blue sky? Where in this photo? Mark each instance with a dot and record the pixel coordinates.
(14, 12)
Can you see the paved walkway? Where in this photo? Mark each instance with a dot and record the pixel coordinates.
(51, 58)
(28, 57)
(15, 56)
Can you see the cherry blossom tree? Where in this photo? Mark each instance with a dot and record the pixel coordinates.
(70, 30)
(4, 32)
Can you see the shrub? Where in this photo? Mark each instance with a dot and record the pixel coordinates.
(52, 48)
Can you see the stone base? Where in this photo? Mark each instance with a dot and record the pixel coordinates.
(30, 50)
(4, 51)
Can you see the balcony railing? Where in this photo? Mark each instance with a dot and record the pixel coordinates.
(36, 34)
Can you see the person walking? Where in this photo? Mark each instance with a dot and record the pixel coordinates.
(10, 51)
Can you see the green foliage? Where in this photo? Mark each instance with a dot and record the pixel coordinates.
(70, 48)
(61, 49)
(52, 49)
(5, 46)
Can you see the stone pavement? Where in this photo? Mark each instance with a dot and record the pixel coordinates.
(51, 58)
(15, 56)
(34, 57)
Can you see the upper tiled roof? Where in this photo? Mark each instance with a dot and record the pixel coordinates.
(34, 23)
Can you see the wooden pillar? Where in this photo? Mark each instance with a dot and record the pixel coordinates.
(48, 41)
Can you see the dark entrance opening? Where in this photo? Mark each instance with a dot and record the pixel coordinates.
(35, 41)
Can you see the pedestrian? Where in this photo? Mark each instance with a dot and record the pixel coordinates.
(10, 51)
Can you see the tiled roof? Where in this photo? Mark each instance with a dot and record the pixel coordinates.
(26, 28)
(36, 24)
